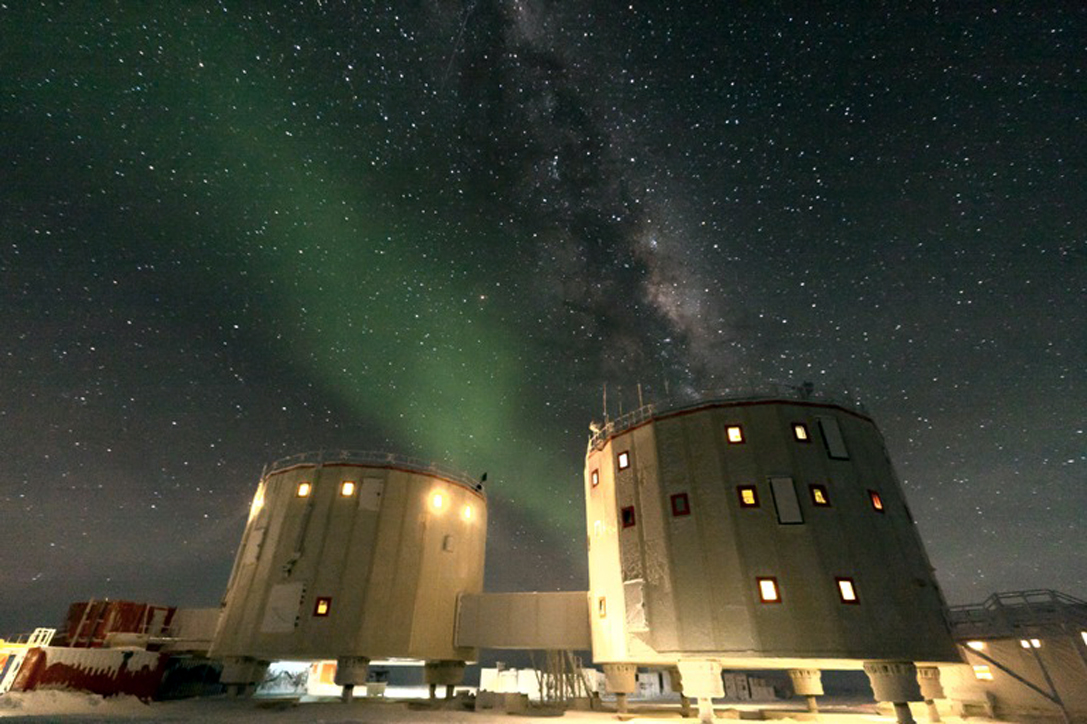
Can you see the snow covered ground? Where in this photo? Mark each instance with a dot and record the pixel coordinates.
(77, 708)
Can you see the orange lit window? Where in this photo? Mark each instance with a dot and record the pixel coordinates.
(800, 432)
(624, 460)
(602, 606)
(847, 591)
(323, 606)
(983, 673)
(749, 496)
(768, 590)
(627, 514)
(304, 489)
(680, 505)
(734, 434)
(819, 495)
(595, 477)
(877, 501)
(347, 488)
(466, 512)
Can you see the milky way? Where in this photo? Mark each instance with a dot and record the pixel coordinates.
(232, 235)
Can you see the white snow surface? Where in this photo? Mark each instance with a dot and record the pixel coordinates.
(79, 708)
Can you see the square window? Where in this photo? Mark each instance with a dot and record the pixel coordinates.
(819, 495)
(768, 590)
(749, 496)
(323, 606)
(800, 432)
(347, 488)
(304, 489)
(877, 501)
(627, 514)
(680, 505)
(734, 434)
(595, 478)
(847, 591)
(624, 460)
(983, 673)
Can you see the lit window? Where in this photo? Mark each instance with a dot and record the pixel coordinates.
(323, 606)
(768, 590)
(466, 513)
(627, 514)
(983, 673)
(680, 505)
(1030, 643)
(800, 432)
(624, 460)
(304, 489)
(749, 496)
(734, 434)
(1084, 635)
(819, 495)
(437, 501)
(602, 607)
(595, 477)
(877, 501)
(976, 645)
(847, 591)
(347, 488)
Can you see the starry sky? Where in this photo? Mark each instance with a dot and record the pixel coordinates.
(441, 228)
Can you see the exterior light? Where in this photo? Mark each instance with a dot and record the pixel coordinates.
(847, 591)
(976, 645)
(1036, 643)
(466, 513)
(347, 488)
(1084, 635)
(1030, 643)
(768, 590)
(734, 434)
(257, 504)
(437, 501)
(983, 673)
(304, 489)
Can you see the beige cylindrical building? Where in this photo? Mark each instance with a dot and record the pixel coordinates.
(755, 533)
(353, 556)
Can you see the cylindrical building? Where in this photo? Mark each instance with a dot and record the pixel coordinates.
(353, 556)
(755, 533)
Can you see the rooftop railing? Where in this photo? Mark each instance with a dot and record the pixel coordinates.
(601, 433)
(374, 458)
(1018, 613)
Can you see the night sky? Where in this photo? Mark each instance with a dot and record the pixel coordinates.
(441, 228)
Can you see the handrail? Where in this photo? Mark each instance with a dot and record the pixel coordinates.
(375, 458)
(798, 393)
